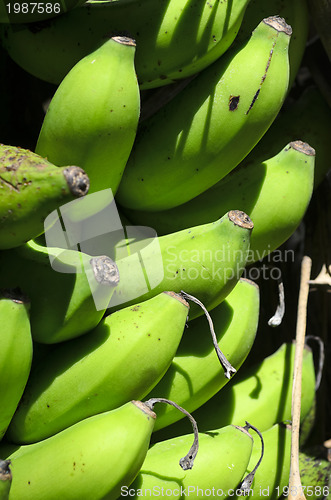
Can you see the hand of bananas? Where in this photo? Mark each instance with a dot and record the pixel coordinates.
(153, 151)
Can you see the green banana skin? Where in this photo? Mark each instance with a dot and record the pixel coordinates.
(93, 116)
(264, 190)
(220, 464)
(295, 13)
(5, 479)
(175, 38)
(15, 353)
(91, 459)
(195, 374)
(62, 303)
(146, 335)
(211, 125)
(271, 477)
(204, 261)
(307, 424)
(315, 474)
(260, 394)
(29, 12)
(30, 188)
(309, 118)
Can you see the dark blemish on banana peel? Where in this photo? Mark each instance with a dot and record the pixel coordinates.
(233, 102)
(262, 79)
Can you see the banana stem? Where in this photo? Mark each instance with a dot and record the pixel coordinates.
(246, 483)
(280, 311)
(229, 370)
(321, 358)
(295, 486)
(187, 461)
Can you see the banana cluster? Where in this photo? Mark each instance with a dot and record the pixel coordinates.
(168, 160)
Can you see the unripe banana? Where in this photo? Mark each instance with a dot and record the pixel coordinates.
(307, 423)
(93, 374)
(91, 459)
(207, 129)
(271, 476)
(204, 261)
(221, 462)
(5, 479)
(264, 190)
(15, 353)
(309, 118)
(30, 189)
(195, 374)
(295, 13)
(70, 295)
(260, 394)
(315, 474)
(175, 38)
(93, 116)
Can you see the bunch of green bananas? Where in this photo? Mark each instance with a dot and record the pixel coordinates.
(170, 157)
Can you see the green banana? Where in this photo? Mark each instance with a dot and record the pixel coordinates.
(309, 118)
(5, 479)
(211, 125)
(71, 294)
(145, 336)
(260, 394)
(195, 374)
(91, 459)
(30, 188)
(295, 13)
(15, 352)
(222, 460)
(27, 11)
(264, 190)
(175, 38)
(271, 476)
(205, 261)
(315, 474)
(93, 116)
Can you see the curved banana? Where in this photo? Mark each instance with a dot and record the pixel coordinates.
(221, 462)
(309, 118)
(205, 261)
(5, 479)
(26, 11)
(175, 38)
(15, 353)
(68, 297)
(264, 190)
(260, 394)
(93, 116)
(30, 189)
(90, 375)
(195, 374)
(91, 459)
(271, 477)
(295, 13)
(211, 125)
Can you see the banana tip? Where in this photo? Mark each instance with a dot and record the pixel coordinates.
(303, 147)
(77, 180)
(279, 24)
(240, 218)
